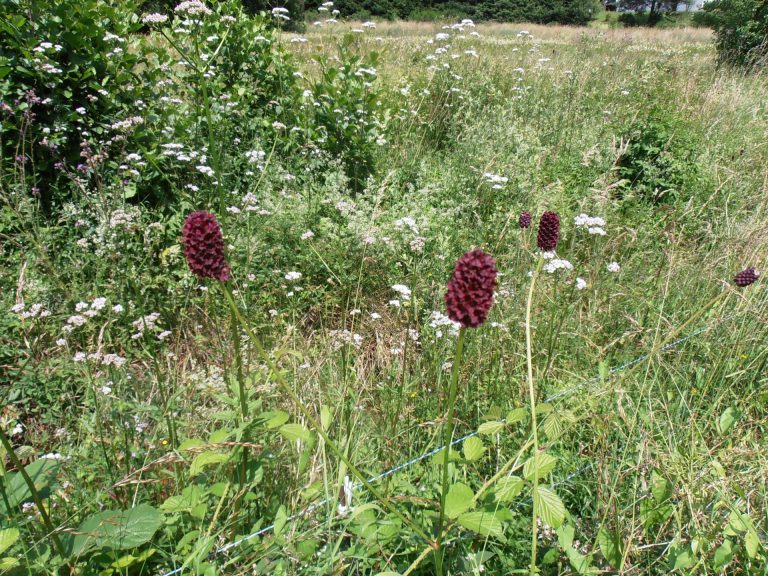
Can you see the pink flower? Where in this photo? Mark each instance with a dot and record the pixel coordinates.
(204, 246)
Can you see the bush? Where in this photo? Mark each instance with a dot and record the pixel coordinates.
(741, 28)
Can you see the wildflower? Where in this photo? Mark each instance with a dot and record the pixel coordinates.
(375, 316)
(549, 231)
(106, 390)
(557, 264)
(18, 429)
(61, 342)
(438, 321)
(117, 308)
(403, 290)
(307, 235)
(613, 267)
(525, 219)
(204, 246)
(163, 335)
(79, 357)
(293, 276)
(470, 290)
(596, 231)
(193, 7)
(746, 277)
(154, 18)
(581, 283)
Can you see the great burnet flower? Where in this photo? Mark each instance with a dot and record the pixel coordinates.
(204, 246)
(746, 277)
(549, 232)
(470, 289)
(525, 219)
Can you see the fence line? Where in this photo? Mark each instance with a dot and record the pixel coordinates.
(417, 459)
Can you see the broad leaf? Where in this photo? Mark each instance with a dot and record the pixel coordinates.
(490, 428)
(723, 555)
(542, 461)
(508, 488)
(43, 474)
(205, 459)
(458, 500)
(517, 415)
(484, 523)
(294, 432)
(550, 508)
(610, 546)
(7, 538)
(116, 530)
(473, 448)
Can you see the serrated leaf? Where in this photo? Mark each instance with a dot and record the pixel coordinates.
(116, 530)
(610, 546)
(542, 461)
(473, 448)
(8, 563)
(484, 523)
(7, 538)
(458, 500)
(517, 415)
(205, 459)
(294, 431)
(549, 507)
(508, 488)
(490, 428)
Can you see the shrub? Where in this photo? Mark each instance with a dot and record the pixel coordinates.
(741, 29)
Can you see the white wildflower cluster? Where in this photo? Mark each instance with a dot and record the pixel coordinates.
(613, 267)
(594, 224)
(145, 323)
(98, 358)
(342, 338)
(34, 311)
(121, 218)
(403, 291)
(406, 222)
(442, 325)
(280, 13)
(307, 235)
(154, 18)
(193, 8)
(17, 429)
(369, 25)
(580, 283)
(176, 150)
(556, 264)
(128, 124)
(496, 181)
(293, 276)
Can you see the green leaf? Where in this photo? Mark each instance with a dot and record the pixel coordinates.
(565, 535)
(610, 546)
(7, 538)
(550, 508)
(723, 555)
(43, 474)
(752, 544)
(680, 558)
(458, 500)
(484, 523)
(544, 462)
(294, 432)
(727, 420)
(205, 459)
(660, 487)
(326, 417)
(473, 448)
(508, 488)
(275, 419)
(490, 428)
(116, 530)
(517, 415)
(281, 518)
(7, 564)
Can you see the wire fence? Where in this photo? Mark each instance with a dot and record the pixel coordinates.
(394, 470)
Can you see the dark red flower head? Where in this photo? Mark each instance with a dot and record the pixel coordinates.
(525, 219)
(470, 289)
(746, 277)
(204, 246)
(549, 231)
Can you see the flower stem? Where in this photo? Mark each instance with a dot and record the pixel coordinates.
(33, 490)
(534, 425)
(316, 424)
(447, 434)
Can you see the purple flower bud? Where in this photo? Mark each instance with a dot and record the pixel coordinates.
(525, 219)
(470, 289)
(746, 277)
(549, 231)
(204, 246)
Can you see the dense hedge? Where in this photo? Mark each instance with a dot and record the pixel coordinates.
(741, 27)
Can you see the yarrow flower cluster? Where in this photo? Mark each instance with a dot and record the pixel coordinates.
(746, 277)
(549, 232)
(557, 264)
(470, 290)
(204, 246)
(439, 322)
(613, 267)
(594, 224)
(193, 8)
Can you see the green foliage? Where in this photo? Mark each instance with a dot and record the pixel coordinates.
(741, 30)
(659, 159)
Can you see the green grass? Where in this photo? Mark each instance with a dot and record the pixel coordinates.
(660, 465)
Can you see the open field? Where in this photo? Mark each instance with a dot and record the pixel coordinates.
(619, 384)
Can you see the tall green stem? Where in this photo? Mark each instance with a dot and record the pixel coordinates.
(447, 435)
(33, 490)
(277, 375)
(534, 425)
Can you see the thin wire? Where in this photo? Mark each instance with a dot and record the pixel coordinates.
(439, 449)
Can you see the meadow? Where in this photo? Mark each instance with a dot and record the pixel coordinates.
(225, 341)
